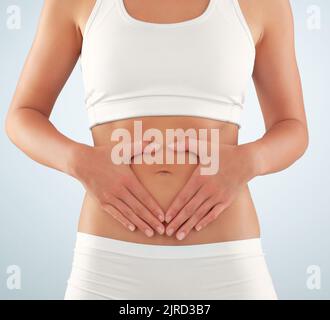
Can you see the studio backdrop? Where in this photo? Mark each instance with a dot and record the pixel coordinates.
(39, 207)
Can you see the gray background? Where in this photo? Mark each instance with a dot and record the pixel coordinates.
(39, 207)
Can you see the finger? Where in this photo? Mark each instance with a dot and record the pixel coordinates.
(133, 149)
(184, 196)
(211, 216)
(186, 228)
(141, 146)
(118, 216)
(199, 147)
(187, 144)
(145, 198)
(141, 211)
(187, 211)
(131, 216)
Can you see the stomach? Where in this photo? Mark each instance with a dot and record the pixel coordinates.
(164, 181)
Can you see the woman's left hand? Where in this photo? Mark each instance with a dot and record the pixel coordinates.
(204, 197)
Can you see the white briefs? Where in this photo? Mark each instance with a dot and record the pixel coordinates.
(105, 268)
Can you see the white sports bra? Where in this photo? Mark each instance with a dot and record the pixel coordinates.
(198, 67)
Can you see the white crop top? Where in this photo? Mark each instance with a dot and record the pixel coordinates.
(198, 67)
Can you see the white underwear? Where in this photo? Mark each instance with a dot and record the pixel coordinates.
(105, 268)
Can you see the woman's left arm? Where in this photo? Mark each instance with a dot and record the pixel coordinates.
(277, 81)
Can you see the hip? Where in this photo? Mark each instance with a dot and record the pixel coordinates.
(238, 221)
(105, 268)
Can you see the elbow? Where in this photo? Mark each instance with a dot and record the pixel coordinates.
(304, 139)
(306, 143)
(9, 126)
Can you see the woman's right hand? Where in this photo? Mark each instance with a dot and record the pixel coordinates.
(118, 190)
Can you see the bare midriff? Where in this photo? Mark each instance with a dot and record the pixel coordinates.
(164, 181)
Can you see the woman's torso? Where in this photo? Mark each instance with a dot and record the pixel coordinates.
(239, 221)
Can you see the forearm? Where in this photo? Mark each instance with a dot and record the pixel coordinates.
(33, 133)
(279, 148)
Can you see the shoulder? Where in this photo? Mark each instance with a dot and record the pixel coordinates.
(276, 16)
(68, 10)
(275, 11)
(268, 16)
(67, 7)
(269, 7)
(275, 6)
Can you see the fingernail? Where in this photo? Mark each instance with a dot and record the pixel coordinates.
(138, 143)
(170, 231)
(171, 146)
(131, 227)
(198, 228)
(161, 217)
(181, 235)
(179, 146)
(149, 233)
(168, 219)
(153, 146)
(160, 229)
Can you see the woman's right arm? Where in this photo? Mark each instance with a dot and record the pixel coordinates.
(54, 53)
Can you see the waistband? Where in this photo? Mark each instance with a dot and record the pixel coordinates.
(146, 106)
(247, 246)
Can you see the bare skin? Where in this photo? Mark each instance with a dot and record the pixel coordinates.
(222, 209)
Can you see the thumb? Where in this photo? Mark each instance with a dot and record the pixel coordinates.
(188, 144)
(139, 147)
